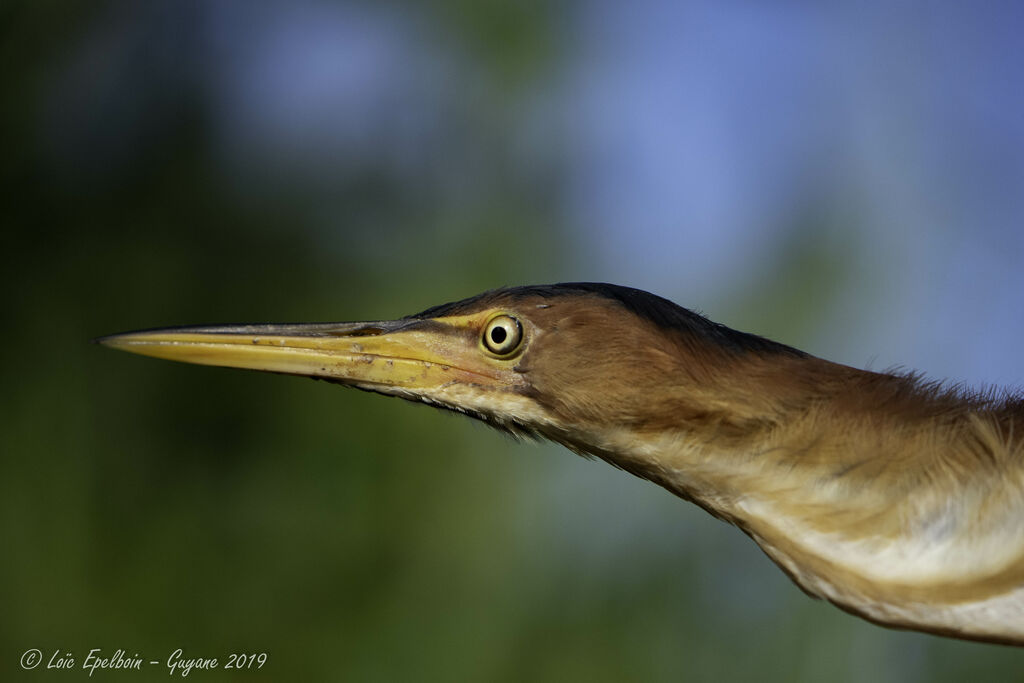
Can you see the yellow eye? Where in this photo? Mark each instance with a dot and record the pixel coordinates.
(502, 335)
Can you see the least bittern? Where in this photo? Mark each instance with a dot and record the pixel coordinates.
(897, 499)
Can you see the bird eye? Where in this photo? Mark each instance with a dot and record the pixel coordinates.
(502, 335)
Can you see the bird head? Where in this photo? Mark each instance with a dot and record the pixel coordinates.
(570, 362)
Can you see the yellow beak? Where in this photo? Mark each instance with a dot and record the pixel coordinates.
(388, 356)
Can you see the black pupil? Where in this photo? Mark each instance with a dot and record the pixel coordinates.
(498, 335)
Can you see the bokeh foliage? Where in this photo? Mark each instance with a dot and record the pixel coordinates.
(150, 506)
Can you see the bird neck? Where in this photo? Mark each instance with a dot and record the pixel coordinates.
(871, 490)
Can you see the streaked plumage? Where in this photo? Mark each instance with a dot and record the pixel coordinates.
(897, 499)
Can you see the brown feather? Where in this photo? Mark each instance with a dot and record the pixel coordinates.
(790, 448)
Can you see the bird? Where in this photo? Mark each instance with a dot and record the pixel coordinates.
(896, 498)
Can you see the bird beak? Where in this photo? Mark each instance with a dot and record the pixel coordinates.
(397, 356)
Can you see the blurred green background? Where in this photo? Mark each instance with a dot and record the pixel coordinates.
(845, 179)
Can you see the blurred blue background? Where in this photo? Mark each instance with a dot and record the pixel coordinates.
(847, 178)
